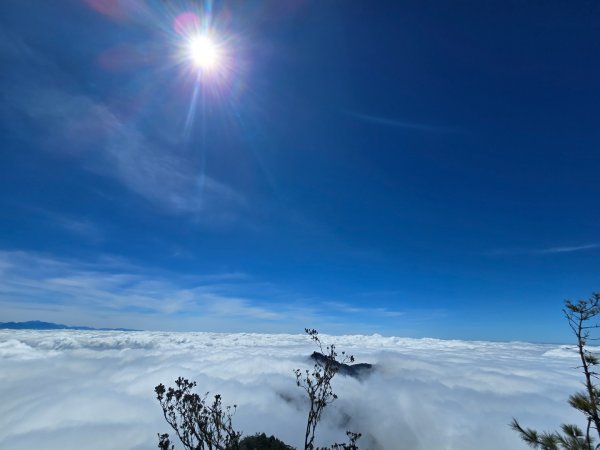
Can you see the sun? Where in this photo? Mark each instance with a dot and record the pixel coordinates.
(204, 52)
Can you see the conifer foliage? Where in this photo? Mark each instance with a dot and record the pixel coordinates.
(581, 317)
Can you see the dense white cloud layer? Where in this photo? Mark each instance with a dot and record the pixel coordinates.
(94, 390)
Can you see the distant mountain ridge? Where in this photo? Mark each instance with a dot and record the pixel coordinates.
(39, 325)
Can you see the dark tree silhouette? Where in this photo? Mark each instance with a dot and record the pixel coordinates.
(262, 442)
(351, 445)
(200, 425)
(571, 437)
(317, 384)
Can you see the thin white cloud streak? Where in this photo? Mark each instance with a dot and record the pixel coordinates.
(353, 309)
(80, 226)
(546, 251)
(73, 124)
(94, 390)
(576, 248)
(396, 123)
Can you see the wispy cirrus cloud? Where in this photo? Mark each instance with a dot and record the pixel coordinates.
(398, 123)
(567, 249)
(115, 292)
(346, 308)
(69, 122)
(73, 224)
(545, 251)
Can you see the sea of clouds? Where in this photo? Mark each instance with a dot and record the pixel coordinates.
(95, 390)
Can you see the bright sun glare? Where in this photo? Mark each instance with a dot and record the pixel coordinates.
(204, 52)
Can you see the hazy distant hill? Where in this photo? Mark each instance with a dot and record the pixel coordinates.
(39, 325)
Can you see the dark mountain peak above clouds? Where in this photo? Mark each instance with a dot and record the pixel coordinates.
(353, 370)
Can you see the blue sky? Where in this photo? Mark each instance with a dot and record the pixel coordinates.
(412, 168)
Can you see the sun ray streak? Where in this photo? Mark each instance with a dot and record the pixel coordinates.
(191, 115)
